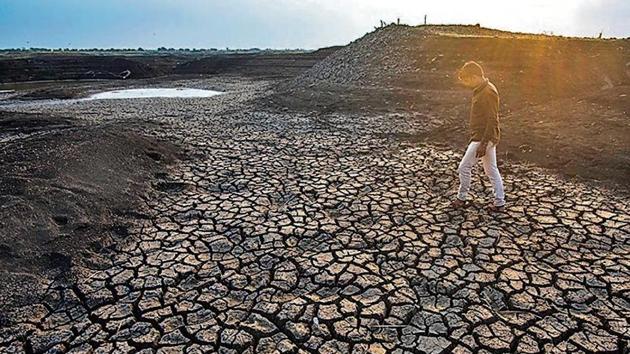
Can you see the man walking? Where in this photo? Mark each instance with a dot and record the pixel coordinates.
(484, 135)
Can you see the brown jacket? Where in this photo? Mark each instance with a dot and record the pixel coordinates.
(484, 114)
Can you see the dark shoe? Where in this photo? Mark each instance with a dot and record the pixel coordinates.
(495, 209)
(458, 203)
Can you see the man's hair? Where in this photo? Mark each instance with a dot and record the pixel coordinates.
(471, 68)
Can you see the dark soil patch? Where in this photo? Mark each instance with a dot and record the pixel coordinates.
(61, 193)
(170, 187)
(67, 67)
(40, 67)
(267, 65)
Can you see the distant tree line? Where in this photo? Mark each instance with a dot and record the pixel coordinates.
(140, 49)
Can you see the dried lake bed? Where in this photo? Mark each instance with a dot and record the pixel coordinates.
(291, 231)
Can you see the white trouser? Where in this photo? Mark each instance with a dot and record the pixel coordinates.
(489, 166)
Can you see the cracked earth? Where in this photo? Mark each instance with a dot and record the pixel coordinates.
(287, 232)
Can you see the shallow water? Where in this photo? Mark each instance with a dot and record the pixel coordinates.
(153, 92)
(112, 95)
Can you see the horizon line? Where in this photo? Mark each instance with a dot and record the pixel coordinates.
(550, 34)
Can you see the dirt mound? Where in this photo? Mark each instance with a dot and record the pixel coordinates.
(366, 61)
(531, 67)
(73, 67)
(564, 101)
(65, 190)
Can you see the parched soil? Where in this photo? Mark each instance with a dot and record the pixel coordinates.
(311, 215)
(564, 101)
(66, 190)
(326, 233)
(583, 137)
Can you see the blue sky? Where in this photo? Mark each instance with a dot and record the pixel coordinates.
(281, 23)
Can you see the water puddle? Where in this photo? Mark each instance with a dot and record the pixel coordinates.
(153, 92)
(114, 95)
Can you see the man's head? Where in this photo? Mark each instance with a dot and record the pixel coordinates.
(471, 74)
